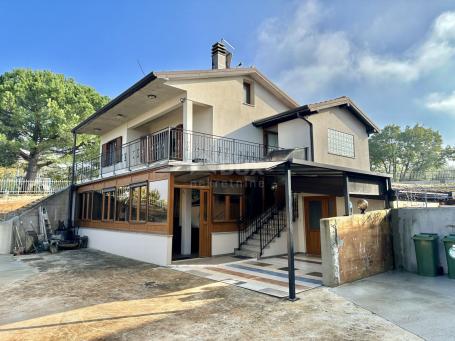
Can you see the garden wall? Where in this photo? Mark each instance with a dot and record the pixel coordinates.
(356, 246)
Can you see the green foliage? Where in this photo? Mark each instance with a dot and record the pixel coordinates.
(38, 109)
(414, 149)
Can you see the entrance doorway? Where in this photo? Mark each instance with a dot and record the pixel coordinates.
(191, 235)
(316, 208)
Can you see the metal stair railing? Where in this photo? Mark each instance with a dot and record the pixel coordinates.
(269, 224)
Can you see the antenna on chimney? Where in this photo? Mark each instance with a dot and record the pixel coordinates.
(225, 42)
(230, 52)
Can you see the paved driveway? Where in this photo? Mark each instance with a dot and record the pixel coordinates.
(422, 305)
(90, 295)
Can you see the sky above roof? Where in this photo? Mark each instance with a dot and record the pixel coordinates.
(395, 59)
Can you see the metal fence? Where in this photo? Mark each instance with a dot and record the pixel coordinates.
(37, 186)
(438, 176)
(171, 144)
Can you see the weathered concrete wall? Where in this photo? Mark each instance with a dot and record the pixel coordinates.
(407, 222)
(355, 247)
(57, 208)
(6, 236)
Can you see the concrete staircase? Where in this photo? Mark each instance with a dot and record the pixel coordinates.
(269, 227)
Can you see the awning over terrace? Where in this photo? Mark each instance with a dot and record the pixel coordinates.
(299, 175)
(306, 176)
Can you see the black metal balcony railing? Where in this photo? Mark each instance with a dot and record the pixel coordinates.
(171, 144)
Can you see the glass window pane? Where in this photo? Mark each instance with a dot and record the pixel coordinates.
(246, 93)
(332, 208)
(219, 206)
(315, 214)
(234, 207)
(204, 205)
(123, 203)
(134, 203)
(112, 206)
(340, 143)
(272, 139)
(143, 203)
(88, 205)
(105, 205)
(157, 203)
(97, 204)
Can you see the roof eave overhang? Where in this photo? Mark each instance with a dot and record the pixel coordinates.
(124, 95)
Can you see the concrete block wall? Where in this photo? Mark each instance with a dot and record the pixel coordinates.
(406, 222)
(356, 246)
(57, 208)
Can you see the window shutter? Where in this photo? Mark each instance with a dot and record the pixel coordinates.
(118, 152)
(103, 155)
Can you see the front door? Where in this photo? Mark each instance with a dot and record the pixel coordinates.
(316, 208)
(205, 237)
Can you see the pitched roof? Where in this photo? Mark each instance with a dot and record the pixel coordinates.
(314, 108)
(231, 72)
(191, 74)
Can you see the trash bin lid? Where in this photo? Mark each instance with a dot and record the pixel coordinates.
(425, 236)
(449, 238)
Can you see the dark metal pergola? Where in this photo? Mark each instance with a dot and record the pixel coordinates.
(299, 175)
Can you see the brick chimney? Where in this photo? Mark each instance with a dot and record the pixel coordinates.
(220, 56)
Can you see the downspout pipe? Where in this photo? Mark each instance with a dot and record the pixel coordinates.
(72, 185)
(303, 117)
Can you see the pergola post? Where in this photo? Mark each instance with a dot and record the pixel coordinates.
(73, 178)
(347, 199)
(388, 188)
(291, 268)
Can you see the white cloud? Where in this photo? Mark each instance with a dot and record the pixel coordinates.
(302, 54)
(441, 102)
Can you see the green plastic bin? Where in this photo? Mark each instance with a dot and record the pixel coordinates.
(449, 244)
(427, 253)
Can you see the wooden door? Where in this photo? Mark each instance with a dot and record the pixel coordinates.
(316, 208)
(205, 236)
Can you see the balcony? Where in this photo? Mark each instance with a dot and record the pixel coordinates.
(173, 145)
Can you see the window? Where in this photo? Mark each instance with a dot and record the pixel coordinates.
(123, 203)
(85, 206)
(227, 200)
(138, 200)
(270, 140)
(157, 201)
(109, 204)
(341, 143)
(112, 152)
(97, 203)
(247, 92)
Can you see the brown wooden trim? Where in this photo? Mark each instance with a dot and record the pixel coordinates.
(227, 226)
(122, 226)
(170, 208)
(191, 186)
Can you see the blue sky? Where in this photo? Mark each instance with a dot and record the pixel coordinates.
(396, 59)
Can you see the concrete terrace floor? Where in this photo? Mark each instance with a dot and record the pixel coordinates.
(422, 305)
(90, 295)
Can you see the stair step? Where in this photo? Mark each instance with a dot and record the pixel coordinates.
(252, 248)
(245, 253)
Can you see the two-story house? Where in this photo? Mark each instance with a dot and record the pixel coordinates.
(192, 164)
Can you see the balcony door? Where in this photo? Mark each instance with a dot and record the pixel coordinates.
(316, 208)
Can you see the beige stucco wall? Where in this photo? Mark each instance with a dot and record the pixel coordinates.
(133, 128)
(341, 120)
(294, 134)
(230, 116)
(299, 224)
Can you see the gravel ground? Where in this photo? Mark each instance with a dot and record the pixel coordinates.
(91, 295)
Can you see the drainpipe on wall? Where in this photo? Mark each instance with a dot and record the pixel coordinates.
(73, 176)
(311, 136)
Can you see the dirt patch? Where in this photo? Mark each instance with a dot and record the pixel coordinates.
(85, 294)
